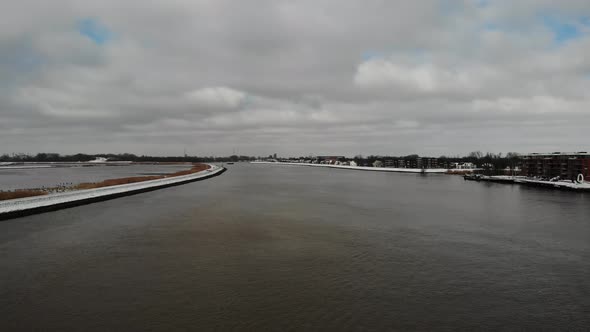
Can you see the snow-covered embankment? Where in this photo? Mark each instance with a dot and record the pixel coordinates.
(361, 168)
(25, 206)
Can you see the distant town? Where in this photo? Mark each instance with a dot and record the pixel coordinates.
(474, 161)
(561, 170)
(553, 166)
(546, 166)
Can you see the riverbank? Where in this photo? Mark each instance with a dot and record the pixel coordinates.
(31, 205)
(360, 168)
(72, 184)
(564, 185)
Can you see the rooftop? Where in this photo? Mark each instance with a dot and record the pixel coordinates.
(553, 154)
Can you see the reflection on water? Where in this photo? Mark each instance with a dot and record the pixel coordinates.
(297, 248)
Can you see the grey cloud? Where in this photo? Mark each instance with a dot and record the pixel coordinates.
(292, 77)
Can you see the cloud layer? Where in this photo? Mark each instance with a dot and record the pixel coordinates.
(308, 77)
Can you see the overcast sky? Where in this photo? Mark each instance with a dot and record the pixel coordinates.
(433, 77)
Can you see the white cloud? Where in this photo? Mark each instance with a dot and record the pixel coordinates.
(536, 104)
(177, 71)
(222, 97)
(425, 77)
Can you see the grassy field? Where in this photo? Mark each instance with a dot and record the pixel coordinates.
(6, 195)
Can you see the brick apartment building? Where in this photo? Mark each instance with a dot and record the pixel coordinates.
(562, 164)
(419, 162)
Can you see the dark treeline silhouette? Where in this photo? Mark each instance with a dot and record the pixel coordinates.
(82, 157)
(492, 163)
(488, 160)
(481, 160)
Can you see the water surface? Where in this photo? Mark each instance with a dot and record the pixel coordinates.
(266, 247)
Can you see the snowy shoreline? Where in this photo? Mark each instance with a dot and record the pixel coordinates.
(564, 185)
(361, 168)
(584, 186)
(30, 205)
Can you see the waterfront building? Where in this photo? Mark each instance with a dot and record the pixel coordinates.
(463, 166)
(330, 159)
(392, 163)
(424, 162)
(416, 162)
(558, 164)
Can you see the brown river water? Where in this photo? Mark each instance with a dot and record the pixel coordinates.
(288, 248)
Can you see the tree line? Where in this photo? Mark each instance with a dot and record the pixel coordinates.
(83, 157)
(480, 159)
(488, 160)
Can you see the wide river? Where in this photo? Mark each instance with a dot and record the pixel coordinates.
(267, 247)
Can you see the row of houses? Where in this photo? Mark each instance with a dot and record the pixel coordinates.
(391, 162)
(563, 165)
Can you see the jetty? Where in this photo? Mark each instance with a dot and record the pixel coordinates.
(493, 178)
(556, 184)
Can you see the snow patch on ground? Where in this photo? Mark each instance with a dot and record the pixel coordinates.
(362, 168)
(28, 203)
